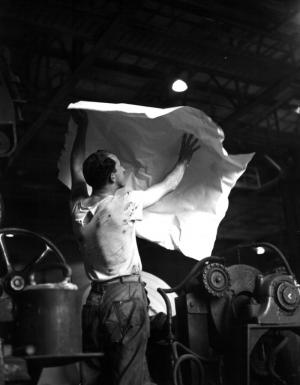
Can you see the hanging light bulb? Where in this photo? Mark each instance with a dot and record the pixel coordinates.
(179, 85)
(260, 250)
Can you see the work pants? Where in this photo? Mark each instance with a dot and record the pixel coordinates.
(115, 321)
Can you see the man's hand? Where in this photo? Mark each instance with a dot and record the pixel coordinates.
(80, 117)
(189, 145)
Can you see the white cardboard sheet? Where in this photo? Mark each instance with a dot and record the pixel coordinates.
(147, 142)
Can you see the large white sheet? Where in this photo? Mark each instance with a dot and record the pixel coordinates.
(147, 142)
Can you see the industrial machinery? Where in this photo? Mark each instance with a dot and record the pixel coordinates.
(39, 318)
(236, 324)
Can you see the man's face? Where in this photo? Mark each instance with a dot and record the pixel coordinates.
(120, 171)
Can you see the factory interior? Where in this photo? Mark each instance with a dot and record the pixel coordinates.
(231, 317)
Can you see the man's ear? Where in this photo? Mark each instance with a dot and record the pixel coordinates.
(112, 177)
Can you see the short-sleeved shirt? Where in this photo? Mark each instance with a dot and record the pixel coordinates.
(106, 230)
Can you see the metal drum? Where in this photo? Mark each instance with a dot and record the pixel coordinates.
(46, 315)
(48, 320)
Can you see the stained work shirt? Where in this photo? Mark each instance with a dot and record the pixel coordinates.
(106, 230)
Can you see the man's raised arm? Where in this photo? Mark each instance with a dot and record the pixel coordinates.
(78, 185)
(189, 145)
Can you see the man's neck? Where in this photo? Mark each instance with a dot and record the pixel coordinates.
(106, 190)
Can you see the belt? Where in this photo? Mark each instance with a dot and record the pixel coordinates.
(98, 286)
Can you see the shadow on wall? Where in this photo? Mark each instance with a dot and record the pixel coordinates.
(171, 266)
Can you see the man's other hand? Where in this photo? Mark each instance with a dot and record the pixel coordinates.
(189, 145)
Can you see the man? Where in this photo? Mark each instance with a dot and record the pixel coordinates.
(114, 318)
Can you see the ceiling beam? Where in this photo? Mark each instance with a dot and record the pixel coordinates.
(55, 18)
(64, 92)
(187, 50)
(264, 98)
(231, 15)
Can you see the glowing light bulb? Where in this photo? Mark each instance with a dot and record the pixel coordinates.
(260, 250)
(179, 85)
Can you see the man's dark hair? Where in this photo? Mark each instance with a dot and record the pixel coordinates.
(97, 168)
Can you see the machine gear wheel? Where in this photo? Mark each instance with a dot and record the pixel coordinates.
(287, 296)
(216, 280)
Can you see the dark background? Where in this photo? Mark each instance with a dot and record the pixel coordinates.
(241, 60)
